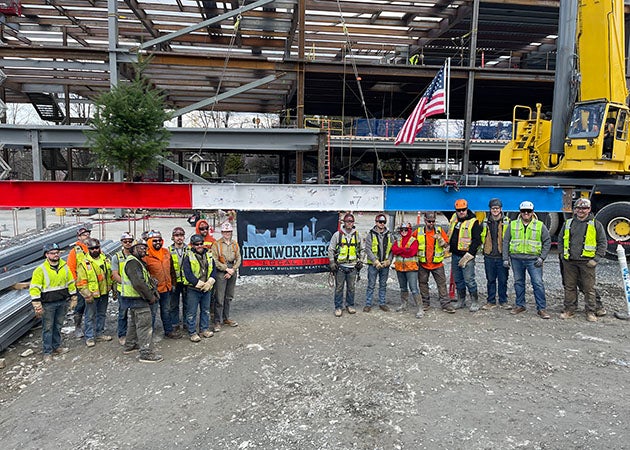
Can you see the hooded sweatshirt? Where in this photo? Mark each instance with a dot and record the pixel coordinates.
(160, 267)
(208, 239)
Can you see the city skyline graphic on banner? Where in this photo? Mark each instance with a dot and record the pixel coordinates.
(305, 235)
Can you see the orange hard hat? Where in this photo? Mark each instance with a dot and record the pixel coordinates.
(461, 204)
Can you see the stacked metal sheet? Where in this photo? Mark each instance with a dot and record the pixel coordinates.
(16, 312)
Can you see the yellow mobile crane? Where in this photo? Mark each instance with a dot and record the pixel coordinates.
(591, 149)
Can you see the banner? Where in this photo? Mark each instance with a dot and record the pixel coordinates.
(275, 243)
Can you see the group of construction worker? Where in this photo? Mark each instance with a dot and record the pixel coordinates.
(521, 244)
(189, 286)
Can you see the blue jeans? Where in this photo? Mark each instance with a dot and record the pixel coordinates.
(122, 318)
(519, 266)
(464, 278)
(197, 300)
(95, 314)
(382, 275)
(80, 308)
(52, 321)
(165, 312)
(496, 274)
(178, 295)
(408, 281)
(349, 278)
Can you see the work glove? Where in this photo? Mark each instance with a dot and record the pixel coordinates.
(333, 266)
(386, 263)
(155, 298)
(73, 301)
(591, 263)
(378, 265)
(200, 284)
(539, 262)
(465, 260)
(89, 299)
(359, 265)
(506, 263)
(39, 310)
(441, 241)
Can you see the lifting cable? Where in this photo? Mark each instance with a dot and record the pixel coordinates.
(362, 98)
(237, 24)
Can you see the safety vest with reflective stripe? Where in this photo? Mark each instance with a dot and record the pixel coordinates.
(347, 249)
(505, 223)
(590, 239)
(48, 284)
(196, 267)
(98, 273)
(526, 240)
(121, 262)
(177, 264)
(438, 251)
(465, 232)
(406, 264)
(388, 247)
(127, 289)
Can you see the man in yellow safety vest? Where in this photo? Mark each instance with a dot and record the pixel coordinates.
(583, 244)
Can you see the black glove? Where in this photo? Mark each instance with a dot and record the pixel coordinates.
(539, 262)
(333, 266)
(359, 265)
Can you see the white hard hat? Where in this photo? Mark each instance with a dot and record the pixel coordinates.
(526, 205)
(226, 226)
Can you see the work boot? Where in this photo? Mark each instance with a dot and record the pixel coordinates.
(404, 302)
(461, 300)
(474, 306)
(414, 300)
(78, 320)
(418, 303)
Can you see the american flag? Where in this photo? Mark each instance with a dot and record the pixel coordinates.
(432, 102)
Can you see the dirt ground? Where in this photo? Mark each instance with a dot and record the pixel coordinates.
(292, 376)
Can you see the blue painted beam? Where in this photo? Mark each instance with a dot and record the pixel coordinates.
(442, 198)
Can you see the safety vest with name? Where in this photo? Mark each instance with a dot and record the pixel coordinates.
(50, 285)
(406, 264)
(127, 289)
(465, 232)
(438, 250)
(97, 272)
(526, 240)
(177, 264)
(590, 239)
(347, 249)
(195, 266)
(388, 247)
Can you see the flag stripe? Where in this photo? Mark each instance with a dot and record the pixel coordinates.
(432, 102)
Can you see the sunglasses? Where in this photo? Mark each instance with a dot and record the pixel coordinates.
(461, 209)
(203, 228)
(582, 207)
(527, 211)
(94, 248)
(197, 244)
(349, 221)
(179, 235)
(157, 240)
(430, 221)
(381, 221)
(126, 241)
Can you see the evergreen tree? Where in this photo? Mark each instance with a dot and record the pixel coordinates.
(128, 126)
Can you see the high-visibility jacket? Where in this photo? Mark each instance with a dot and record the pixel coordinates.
(177, 264)
(127, 289)
(590, 239)
(438, 250)
(51, 285)
(405, 264)
(526, 240)
(78, 252)
(487, 246)
(347, 249)
(374, 246)
(196, 267)
(465, 232)
(94, 274)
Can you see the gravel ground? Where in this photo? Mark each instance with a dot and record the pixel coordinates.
(292, 376)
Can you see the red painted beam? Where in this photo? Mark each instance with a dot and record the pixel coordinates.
(76, 194)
